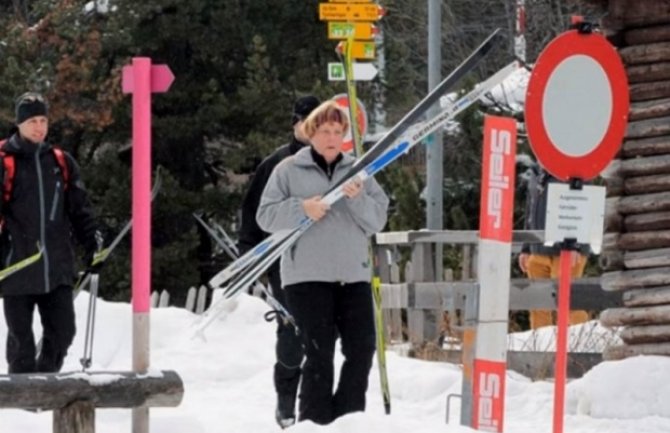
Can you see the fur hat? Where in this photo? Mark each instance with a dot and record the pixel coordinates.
(28, 105)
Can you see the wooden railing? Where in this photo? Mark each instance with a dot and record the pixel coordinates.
(414, 309)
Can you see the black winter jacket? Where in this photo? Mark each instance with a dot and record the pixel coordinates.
(42, 210)
(250, 234)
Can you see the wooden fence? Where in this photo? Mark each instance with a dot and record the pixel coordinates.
(425, 306)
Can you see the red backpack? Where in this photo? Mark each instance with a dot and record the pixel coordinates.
(10, 170)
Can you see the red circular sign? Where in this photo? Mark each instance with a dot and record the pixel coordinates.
(577, 105)
(343, 101)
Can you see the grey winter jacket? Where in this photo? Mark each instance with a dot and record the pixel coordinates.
(335, 249)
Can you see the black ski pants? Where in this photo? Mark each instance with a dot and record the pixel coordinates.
(56, 310)
(288, 350)
(323, 310)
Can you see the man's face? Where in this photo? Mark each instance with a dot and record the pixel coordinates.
(34, 129)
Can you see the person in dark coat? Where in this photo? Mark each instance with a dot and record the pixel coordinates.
(42, 211)
(327, 272)
(538, 261)
(289, 352)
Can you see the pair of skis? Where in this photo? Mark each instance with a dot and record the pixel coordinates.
(226, 244)
(399, 140)
(380, 153)
(270, 250)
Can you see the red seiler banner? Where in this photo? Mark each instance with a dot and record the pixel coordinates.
(488, 386)
(497, 196)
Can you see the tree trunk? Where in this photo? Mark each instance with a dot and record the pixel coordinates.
(647, 222)
(647, 258)
(611, 260)
(646, 146)
(636, 241)
(646, 165)
(77, 417)
(646, 53)
(655, 315)
(109, 389)
(651, 296)
(647, 73)
(647, 35)
(613, 220)
(647, 184)
(614, 187)
(630, 279)
(624, 351)
(649, 91)
(650, 109)
(646, 334)
(643, 203)
(611, 241)
(648, 127)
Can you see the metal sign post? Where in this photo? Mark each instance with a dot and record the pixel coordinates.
(576, 113)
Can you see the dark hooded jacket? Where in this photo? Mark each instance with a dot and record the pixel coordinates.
(250, 233)
(43, 211)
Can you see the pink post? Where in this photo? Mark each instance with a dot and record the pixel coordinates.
(141, 244)
(560, 368)
(141, 79)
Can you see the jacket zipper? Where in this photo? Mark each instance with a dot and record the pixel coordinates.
(43, 237)
(54, 203)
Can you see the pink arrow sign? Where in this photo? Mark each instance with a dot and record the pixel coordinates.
(161, 79)
(141, 79)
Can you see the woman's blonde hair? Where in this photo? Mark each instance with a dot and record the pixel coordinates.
(327, 112)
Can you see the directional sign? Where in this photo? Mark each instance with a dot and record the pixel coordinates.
(577, 105)
(350, 12)
(161, 79)
(359, 31)
(359, 49)
(362, 71)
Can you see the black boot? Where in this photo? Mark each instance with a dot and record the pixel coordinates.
(285, 413)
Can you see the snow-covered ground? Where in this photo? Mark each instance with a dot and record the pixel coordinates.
(228, 383)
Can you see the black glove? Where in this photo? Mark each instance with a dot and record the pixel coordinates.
(93, 262)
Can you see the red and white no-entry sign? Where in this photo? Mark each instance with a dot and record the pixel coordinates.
(577, 105)
(343, 101)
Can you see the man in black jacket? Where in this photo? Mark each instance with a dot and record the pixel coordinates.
(288, 349)
(539, 261)
(47, 204)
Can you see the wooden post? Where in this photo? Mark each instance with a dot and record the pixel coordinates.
(76, 417)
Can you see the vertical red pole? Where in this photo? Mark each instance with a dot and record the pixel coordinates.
(562, 338)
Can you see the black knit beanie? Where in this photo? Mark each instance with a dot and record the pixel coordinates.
(29, 105)
(303, 107)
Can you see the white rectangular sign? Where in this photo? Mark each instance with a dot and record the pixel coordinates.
(575, 214)
(362, 71)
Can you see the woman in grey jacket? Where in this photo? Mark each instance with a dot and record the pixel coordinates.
(327, 272)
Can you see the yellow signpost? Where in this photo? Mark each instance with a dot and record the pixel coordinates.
(361, 49)
(360, 31)
(350, 12)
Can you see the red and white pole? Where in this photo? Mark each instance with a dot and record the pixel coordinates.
(494, 260)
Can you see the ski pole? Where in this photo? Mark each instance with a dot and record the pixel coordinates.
(90, 323)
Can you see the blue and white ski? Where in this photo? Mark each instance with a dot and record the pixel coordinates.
(413, 136)
(382, 146)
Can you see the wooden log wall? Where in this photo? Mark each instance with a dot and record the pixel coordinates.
(636, 253)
